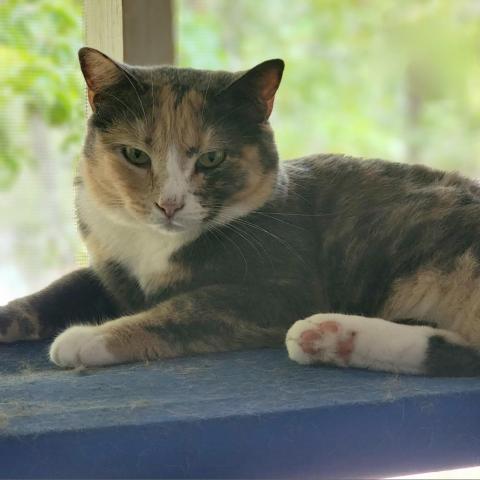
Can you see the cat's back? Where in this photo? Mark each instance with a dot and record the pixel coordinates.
(354, 186)
(377, 222)
(375, 176)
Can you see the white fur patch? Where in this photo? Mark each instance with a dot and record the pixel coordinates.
(82, 345)
(177, 189)
(361, 342)
(176, 184)
(144, 251)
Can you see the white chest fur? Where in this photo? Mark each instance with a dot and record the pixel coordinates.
(145, 252)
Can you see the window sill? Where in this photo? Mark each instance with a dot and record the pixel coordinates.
(242, 414)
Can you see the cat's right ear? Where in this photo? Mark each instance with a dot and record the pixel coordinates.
(256, 88)
(99, 71)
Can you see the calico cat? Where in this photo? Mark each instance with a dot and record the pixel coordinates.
(201, 241)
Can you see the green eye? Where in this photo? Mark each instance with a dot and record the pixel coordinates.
(136, 157)
(211, 159)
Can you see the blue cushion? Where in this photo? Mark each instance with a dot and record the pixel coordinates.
(244, 414)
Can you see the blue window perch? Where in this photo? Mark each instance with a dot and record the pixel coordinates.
(245, 414)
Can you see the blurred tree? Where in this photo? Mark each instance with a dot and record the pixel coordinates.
(41, 127)
(38, 41)
(380, 78)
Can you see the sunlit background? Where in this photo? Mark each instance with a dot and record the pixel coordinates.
(381, 78)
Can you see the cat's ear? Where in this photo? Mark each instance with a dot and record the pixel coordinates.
(259, 85)
(98, 70)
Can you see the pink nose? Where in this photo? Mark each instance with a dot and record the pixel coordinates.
(169, 208)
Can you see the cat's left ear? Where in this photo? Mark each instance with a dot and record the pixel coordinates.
(99, 70)
(259, 85)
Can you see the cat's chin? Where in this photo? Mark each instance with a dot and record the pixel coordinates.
(171, 228)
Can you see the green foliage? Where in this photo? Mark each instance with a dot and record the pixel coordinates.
(376, 78)
(38, 74)
(397, 79)
(382, 78)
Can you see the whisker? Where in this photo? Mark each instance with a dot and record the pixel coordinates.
(239, 250)
(205, 99)
(243, 234)
(127, 76)
(267, 232)
(153, 98)
(278, 220)
(120, 101)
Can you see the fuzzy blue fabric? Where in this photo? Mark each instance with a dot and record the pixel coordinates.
(246, 414)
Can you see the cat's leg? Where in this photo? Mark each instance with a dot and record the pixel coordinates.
(76, 297)
(364, 342)
(210, 319)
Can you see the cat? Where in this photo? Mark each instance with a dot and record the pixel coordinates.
(200, 240)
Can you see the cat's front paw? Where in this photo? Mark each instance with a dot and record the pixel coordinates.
(82, 345)
(18, 322)
(320, 339)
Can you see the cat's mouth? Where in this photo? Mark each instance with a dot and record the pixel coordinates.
(171, 227)
(176, 224)
(175, 228)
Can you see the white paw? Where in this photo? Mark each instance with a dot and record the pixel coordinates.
(82, 345)
(320, 339)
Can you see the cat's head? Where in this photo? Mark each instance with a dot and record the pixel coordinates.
(179, 149)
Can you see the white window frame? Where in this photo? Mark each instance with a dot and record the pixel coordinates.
(138, 32)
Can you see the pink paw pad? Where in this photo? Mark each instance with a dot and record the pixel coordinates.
(310, 339)
(318, 342)
(345, 346)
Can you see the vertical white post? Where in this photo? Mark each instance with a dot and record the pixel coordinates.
(138, 32)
